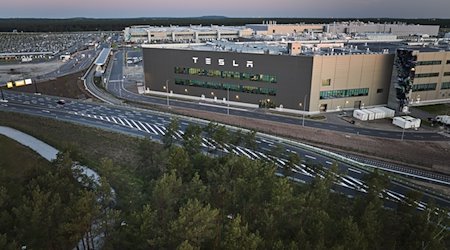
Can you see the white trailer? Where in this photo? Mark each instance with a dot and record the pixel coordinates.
(406, 122)
(360, 114)
(389, 113)
(379, 114)
(371, 114)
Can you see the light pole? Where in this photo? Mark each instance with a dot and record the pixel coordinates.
(167, 92)
(304, 110)
(3, 97)
(228, 101)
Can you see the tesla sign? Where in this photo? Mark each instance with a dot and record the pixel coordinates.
(221, 62)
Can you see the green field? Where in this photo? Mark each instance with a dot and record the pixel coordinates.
(16, 159)
(93, 144)
(438, 109)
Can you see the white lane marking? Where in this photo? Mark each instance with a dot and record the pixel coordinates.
(243, 152)
(310, 157)
(150, 127)
(329, 162)
(95, 117)
(88, 115)
(252, 153)
(357, 181)
(129, 124)
(135, 124)
(354, 170)
(159, 129)
(114, 120)
(234, 151)
(144, 127)
(120, 120)
(303, 170)
(101, 118)
(107, 118)
(178, 135)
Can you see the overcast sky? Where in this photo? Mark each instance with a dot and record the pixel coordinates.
(230, 8)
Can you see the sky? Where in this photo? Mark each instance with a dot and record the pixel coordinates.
(229, 8)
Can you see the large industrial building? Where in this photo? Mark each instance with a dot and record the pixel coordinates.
(193, 33)
(295, 77)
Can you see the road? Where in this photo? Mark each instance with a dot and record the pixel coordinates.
(116, 87)
(151, 124)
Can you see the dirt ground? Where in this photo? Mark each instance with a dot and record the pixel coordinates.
(69, 86)
(22, 71)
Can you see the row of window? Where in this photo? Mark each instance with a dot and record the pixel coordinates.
(446, 73)
(225, 86)
(424, 87)
(226, 74)
(445, 85)
(333, 94)
(422, 75)
(428, 63)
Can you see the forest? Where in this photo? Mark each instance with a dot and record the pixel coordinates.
(118, 24)
(180, 197)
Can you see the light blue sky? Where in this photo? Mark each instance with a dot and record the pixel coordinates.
(230, 8)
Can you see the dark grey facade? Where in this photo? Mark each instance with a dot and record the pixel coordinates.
(292, 75)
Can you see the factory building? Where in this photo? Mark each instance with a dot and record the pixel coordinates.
(193, 33)
(421, 76)
(272, 28)
(289, 77)
(398, 29)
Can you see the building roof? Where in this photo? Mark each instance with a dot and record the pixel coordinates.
(101, 59)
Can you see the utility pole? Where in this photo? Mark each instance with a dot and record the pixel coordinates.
(228, 101)
(167, 93)
(3, 97)
(35, 88)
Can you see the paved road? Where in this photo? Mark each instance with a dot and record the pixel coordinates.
(150, 124)
(115, 86)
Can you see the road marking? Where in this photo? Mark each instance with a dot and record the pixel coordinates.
(150, 127)
(114, 120)
(160, 130)
(107, 119)
(137, 126)
(101, 118)
(120, 120)
(144, 127)
(354, 170)
(311, 157)
(329, 162)
(129, 124)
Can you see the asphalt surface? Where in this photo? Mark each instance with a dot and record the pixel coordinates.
(116, 87)
(150, 124)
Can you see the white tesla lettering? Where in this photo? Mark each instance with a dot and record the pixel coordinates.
(221, 62)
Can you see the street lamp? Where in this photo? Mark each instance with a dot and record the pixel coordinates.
(228, 101)
(304, 109)
(167, 92)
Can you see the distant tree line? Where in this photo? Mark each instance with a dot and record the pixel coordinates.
(115, 24)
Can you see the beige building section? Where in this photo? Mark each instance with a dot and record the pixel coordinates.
(283, 29)
(439, 94)
(342, 72)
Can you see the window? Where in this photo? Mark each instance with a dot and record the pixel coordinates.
(424, 87)
(423, 75)
(446, 73)
(448, 61)
(226, 74)
(428, 63)
(225, 86)
(445, 85)
(326, 82)
(333, 94)
(379, 91)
